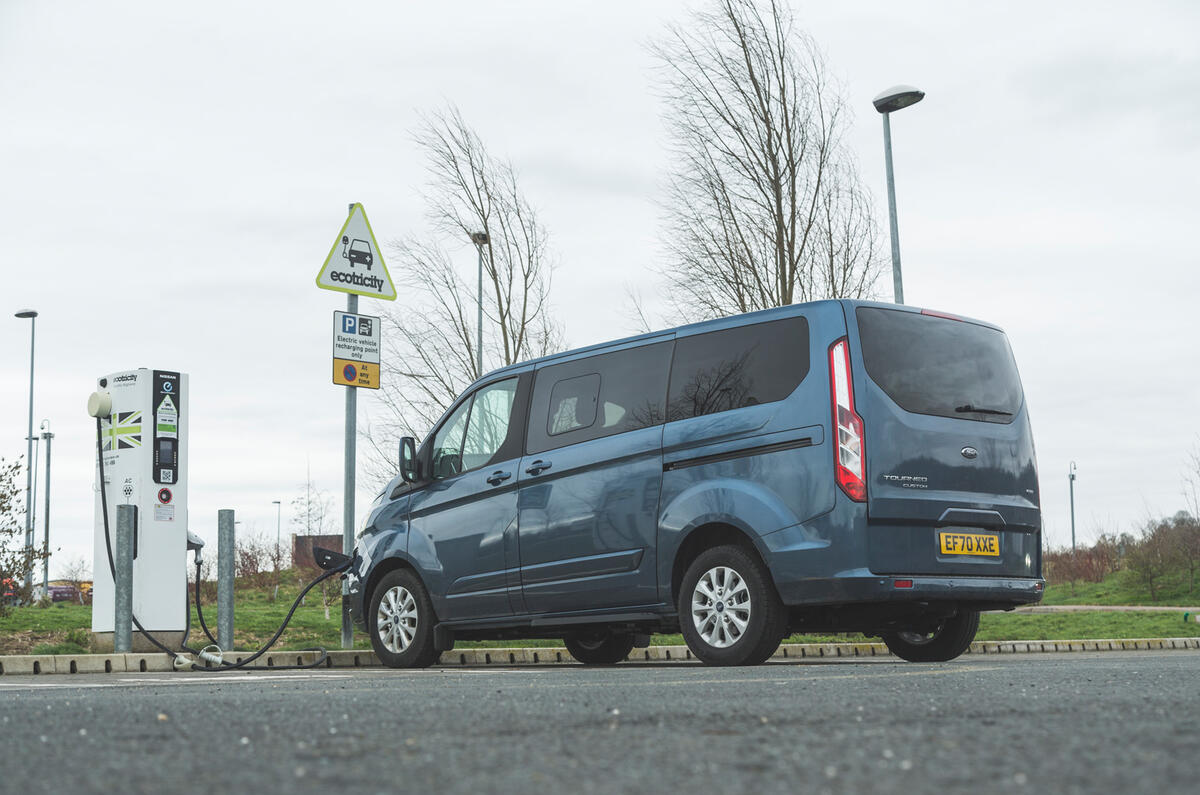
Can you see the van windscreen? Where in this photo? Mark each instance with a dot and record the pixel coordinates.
(935, 365)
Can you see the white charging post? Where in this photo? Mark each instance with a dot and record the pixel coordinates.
(143, 423)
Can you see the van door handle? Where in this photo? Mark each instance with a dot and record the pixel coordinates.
(538, 467)
(498, 477)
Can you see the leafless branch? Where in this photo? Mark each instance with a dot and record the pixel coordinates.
(764, 207)
(430, 348)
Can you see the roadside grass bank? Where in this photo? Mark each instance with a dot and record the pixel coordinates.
(1125, 588)
(64, 628)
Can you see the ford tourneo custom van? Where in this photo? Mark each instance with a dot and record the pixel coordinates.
(838, 466)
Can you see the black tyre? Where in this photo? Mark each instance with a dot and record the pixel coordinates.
(400, 621)
(948, 640)
(729, 611)
(600, 648)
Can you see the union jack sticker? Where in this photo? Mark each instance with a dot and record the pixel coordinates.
(123, 431)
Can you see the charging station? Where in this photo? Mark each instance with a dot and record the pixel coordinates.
(144, 442)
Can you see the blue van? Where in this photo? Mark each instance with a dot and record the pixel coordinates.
(838, 466)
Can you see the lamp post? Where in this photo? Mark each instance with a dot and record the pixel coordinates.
(32, 315)
(46, 437)
(1071, 481)
(894, 99)
(480, 239)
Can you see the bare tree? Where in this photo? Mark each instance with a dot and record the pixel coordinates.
(312, 512)
(1150, 558)
(15, 557)
(764, 206)
(76, 571)
(431, 338)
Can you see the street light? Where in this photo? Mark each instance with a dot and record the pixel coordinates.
(1071, 480)
(32, 315)
(895, 98)
(480, 239)
(278, 512)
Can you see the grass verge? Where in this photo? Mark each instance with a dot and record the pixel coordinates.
(64, 628)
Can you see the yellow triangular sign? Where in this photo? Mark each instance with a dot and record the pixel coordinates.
(355, 263)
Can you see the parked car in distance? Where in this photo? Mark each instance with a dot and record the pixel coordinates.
(837, 466)
(63, 593)
(8, 592)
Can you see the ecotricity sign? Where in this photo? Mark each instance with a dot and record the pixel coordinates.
(355, 263)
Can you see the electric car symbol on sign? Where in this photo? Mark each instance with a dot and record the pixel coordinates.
(797, 469)
(357, 251)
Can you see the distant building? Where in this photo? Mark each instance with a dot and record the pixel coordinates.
(302, 555)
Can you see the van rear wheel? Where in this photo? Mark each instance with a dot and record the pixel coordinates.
(729, 611)
(946, 641)
(599, 648)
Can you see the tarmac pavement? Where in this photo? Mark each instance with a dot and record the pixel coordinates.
(1080, 722)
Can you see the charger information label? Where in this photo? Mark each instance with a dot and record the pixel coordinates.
(356, 346)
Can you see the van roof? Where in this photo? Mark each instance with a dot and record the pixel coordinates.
(690, 328)
(717, 324)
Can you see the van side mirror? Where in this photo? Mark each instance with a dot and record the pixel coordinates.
(408, 459)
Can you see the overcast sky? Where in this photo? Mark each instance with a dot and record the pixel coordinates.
(171, 178)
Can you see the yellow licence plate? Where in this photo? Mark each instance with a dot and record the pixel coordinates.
(969, 544)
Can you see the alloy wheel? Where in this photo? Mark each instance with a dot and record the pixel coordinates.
(721, 607)
(396, 620)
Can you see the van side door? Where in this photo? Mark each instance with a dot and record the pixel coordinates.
(590, 481)
(462, 522)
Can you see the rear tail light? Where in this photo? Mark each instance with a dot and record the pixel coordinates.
(848, 454)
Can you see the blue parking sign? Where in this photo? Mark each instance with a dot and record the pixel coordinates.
(349, 324)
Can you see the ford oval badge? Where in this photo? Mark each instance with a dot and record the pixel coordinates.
(969, 452)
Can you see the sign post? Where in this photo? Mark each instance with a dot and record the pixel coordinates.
(354, 266)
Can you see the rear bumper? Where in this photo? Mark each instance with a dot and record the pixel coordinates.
(864, 587)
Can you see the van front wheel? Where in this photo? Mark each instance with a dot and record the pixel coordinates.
(948, 639)
(400, 621)
(729, 612)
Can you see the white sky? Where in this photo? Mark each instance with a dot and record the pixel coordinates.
(171, 178)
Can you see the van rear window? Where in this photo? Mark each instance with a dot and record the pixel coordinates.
(935, 365)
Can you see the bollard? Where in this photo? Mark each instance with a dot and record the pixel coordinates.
(123, 581)
(225, 549)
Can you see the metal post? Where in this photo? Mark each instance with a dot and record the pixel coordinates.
(479, 322)
(348, 492)
(278, 515)
(47, 436)
(1071, 480)
(123, 582)
(897, 283)
(348, 487)
(225, 548)
(33, 496)
(29, 465)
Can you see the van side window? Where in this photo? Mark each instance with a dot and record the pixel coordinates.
(488, 426)
(475, 432)
(573, 404)
(446, 455)
(737, 367)
(599, 396)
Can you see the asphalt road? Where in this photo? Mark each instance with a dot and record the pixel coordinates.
(1107, 722)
